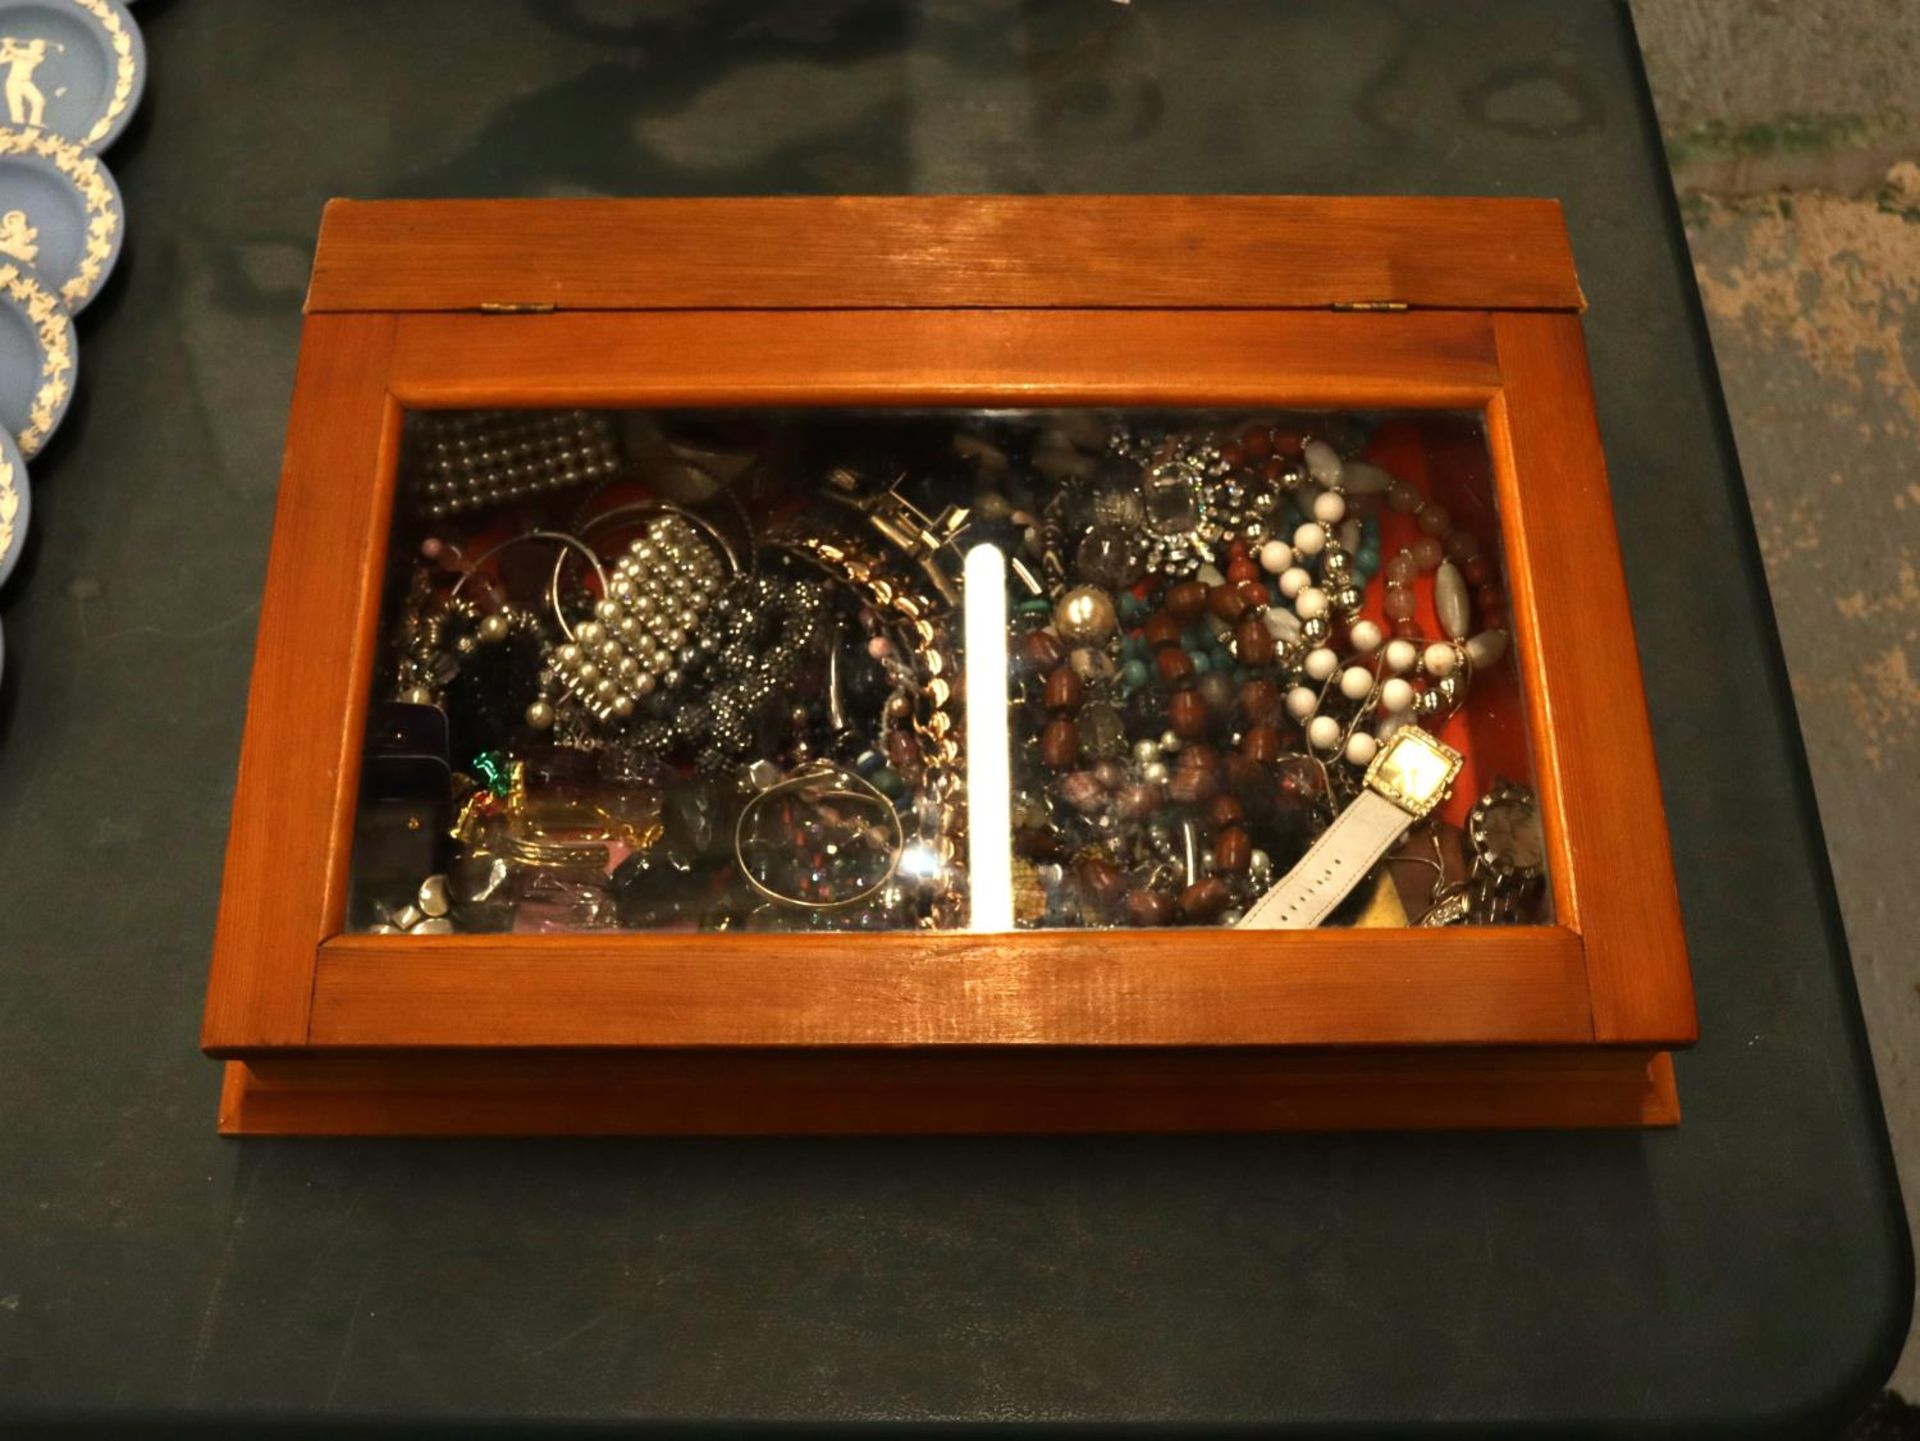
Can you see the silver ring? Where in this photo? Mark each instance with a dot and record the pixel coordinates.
(847, 785)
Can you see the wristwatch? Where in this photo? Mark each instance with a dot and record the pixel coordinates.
(1409, 777)
(1509, 851)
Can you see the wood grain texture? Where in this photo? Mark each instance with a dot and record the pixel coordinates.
(1516, 985)
(1000, 358)
(869, 1093)
(931, 252)
(287, 851)
(1611, 858)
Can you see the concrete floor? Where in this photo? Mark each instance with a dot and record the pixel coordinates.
(1794, 132)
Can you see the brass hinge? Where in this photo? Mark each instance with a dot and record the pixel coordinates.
(1369, 305)
(517, 307)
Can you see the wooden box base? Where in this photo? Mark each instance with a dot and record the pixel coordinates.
(897, 1092)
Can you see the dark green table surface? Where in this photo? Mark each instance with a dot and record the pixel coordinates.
(1750, 1267)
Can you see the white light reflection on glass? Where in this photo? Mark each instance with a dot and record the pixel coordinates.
(920, 862)
(989, 780)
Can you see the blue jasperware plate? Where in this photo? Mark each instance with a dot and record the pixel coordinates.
(60, 211)
(37, 356)
(16, 503)
(75, 67)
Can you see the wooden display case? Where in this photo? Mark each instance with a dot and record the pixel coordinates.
(1455, 305)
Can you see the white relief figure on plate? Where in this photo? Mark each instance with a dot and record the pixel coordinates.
(26, 102)
(18, 238)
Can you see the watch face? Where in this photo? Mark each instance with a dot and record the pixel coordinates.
(1507, 833)
(1414, 770)
(1513, 834)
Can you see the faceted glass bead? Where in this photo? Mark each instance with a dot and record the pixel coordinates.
(1170, 501)
(1108, 557)
(1102, 732)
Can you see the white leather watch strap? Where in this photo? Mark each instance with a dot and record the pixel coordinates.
(1304, 897)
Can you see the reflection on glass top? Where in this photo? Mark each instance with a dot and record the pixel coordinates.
(878, 670)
